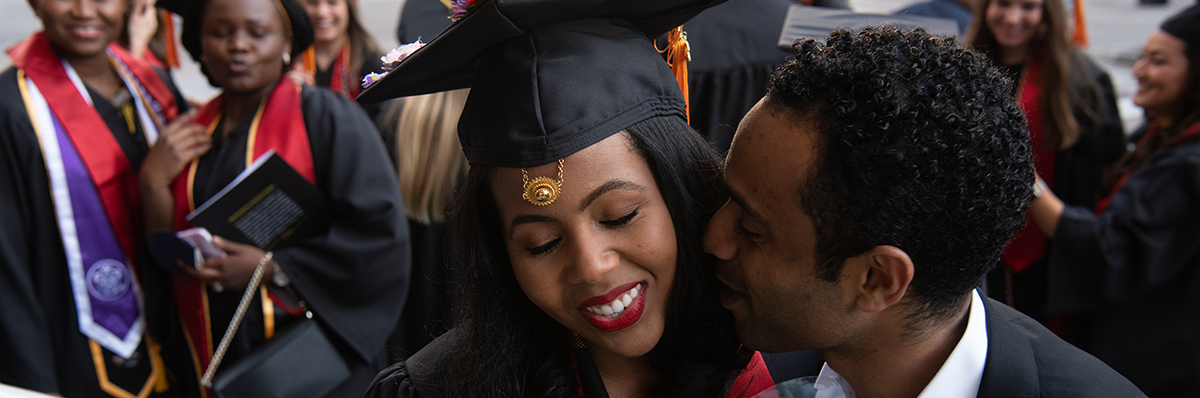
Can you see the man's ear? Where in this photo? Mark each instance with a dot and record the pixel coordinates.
(881, 277)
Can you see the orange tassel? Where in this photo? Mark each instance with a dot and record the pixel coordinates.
(1080, 35)
(168, 31)
(309, 58)
(678, 54)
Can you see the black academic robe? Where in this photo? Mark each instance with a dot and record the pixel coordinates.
(1135, 268)
(354, 277)
(1024, 359)
(371, 64)
(734, 52)
(427, 311)
(41, 347)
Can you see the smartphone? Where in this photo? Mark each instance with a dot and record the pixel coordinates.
(202, 241)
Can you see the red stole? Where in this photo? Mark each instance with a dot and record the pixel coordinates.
(1028, 246)
(115, 180)
(278, 124)
(341, 79)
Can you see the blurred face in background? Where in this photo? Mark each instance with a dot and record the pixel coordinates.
(1014, 23)
(1162, 74)
(244, 42)
(330, 19)
(81, 28)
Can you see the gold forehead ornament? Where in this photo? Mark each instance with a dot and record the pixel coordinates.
(543, 190)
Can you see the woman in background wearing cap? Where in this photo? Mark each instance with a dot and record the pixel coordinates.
(352, 277)
(1134, 260)
(1074, 126)
(342, 51)
(577, 233)
(77, 117)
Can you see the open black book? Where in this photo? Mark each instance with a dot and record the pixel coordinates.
(268, 205)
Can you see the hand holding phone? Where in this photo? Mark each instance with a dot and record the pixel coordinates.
(202, 241)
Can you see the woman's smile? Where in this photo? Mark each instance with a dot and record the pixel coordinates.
(616, 310)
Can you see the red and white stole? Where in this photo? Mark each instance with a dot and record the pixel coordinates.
(93, 185)
(278, 124)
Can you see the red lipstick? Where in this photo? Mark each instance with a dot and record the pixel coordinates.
(631, 314)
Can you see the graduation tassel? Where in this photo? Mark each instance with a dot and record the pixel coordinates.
(168, 31)
(309, 58)
(678, 54)
(1080, 34)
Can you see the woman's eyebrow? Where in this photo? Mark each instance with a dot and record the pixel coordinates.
(527, 219)
(608, 186)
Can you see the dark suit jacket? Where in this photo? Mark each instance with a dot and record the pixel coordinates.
(1024, 359)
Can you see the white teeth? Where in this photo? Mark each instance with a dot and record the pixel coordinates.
(618, 305)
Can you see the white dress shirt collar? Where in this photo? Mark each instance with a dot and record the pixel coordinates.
(959, 376)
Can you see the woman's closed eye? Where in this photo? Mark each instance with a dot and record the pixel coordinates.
(620, 221)
(544, 248)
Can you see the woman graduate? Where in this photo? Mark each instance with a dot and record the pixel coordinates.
(77, 116)
(342, 51)
(580, 270)
(1134, 259)
(1073, 124)
(352, 277)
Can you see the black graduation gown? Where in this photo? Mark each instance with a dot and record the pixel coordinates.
(41, 347)
(355, 277)
(427, 311)
(371, 64)
(1135, 267)
(734, 52)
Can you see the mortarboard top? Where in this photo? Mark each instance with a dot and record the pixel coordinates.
(547, 77)
(1185, 25)
(817, 22)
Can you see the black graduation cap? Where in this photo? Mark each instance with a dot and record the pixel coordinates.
(548, 77)
(1185, 25)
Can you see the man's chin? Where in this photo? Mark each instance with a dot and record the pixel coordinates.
(763, 339)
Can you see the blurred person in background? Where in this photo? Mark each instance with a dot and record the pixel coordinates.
(343, 51)
(77, 117)
(1133, 258)
(431, 166)
(1073, 124)
(353, 276)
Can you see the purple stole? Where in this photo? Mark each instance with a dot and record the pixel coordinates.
(93, 187)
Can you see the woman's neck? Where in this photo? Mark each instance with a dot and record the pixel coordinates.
(1015, 55)
(236, 106)
(98, 74)
(624, 377)
(326, 52)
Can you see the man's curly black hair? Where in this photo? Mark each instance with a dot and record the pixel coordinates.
(919, 146)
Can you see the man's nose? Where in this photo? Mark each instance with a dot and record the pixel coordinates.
(718, 240)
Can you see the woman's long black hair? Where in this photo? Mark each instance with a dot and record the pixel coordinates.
(505, 346)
